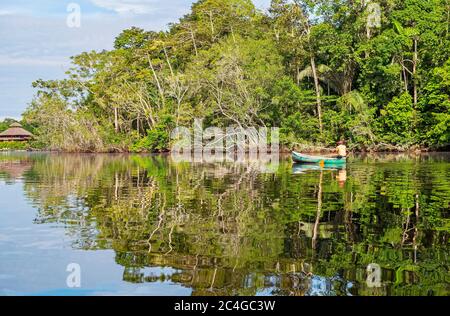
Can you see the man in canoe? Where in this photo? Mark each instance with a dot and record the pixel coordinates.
(339, 158)
(341, 150)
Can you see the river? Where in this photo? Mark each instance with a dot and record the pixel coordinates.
(81, 224)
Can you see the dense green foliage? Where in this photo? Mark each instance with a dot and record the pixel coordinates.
(317, 69)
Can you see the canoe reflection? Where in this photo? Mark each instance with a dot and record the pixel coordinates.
(302, 168)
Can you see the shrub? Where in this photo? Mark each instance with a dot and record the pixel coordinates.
(14, 145)
(397, 120)
(157, 139)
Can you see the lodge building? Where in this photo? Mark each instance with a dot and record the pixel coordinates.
(15, 133)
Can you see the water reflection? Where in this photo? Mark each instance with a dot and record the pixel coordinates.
(228, 229)
(13, 167)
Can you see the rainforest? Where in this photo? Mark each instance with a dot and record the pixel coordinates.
(376, 74)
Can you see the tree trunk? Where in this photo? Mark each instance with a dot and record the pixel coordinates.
(193, 40)
(318, 97)
(138, 123)
(415, 61)
(366, 53)
(116, 119)
(211, 25)
(161, 92)
(405, 77)
(232, 35)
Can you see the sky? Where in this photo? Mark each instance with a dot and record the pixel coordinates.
(36, 41)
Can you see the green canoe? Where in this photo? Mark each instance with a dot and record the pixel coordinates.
(301, 158)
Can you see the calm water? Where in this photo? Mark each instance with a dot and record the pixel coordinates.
(146, 225)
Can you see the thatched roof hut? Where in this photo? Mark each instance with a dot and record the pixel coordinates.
(15, 133)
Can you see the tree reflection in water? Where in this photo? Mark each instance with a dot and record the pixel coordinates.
(227, 229)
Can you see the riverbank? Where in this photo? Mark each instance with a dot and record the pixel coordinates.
(307, 149)
(299, 147)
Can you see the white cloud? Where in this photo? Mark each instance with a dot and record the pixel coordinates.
(130, 6)
(152, 6)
